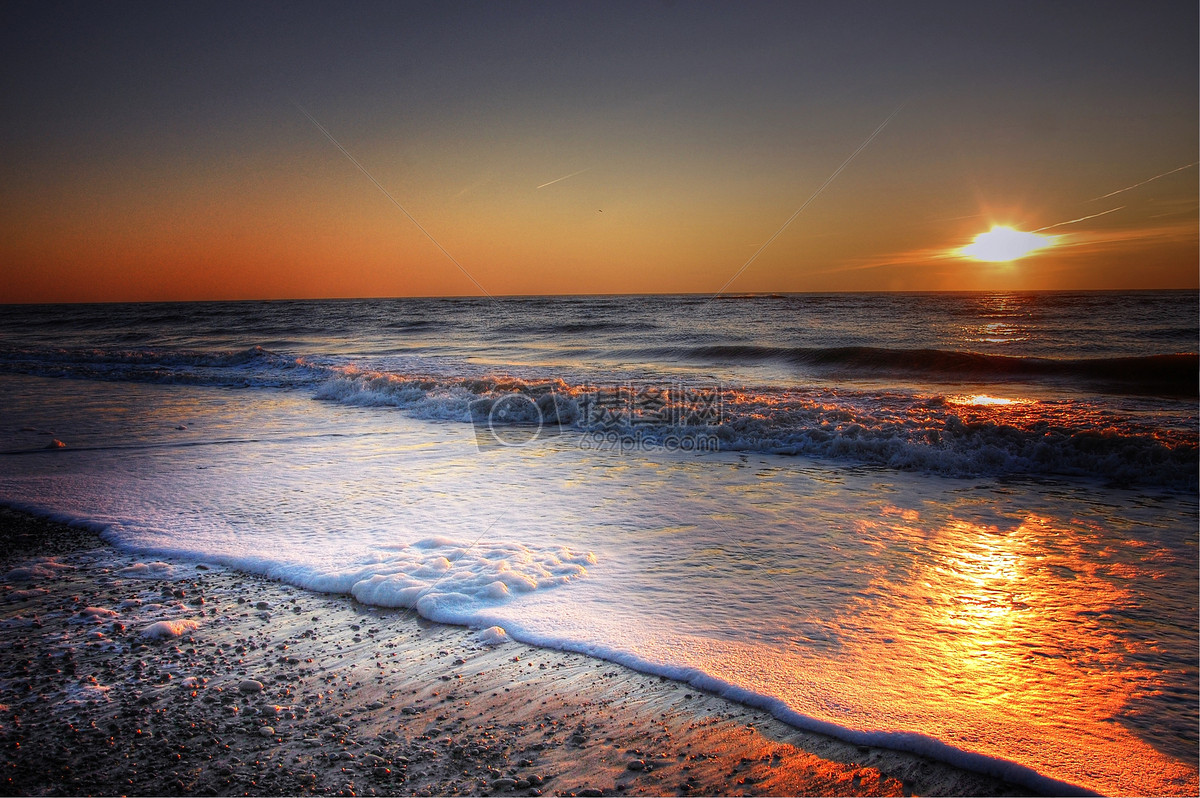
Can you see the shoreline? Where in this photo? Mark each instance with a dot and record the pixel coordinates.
(130, 675)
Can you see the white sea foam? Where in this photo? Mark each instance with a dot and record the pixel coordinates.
(444, 578)
(76, 693)
(148, 570)
(44, 568)
(492, 636)
(164, 629)
(97, 614)
(17, 622)
(21, 595)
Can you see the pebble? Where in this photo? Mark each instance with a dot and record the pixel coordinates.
(251, 686)
(267, 731)
(636, 764)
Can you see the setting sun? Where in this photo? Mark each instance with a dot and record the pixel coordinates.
(1001, 244)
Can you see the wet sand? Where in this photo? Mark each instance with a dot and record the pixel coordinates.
(125, 674)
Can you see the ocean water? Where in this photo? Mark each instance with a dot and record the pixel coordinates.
(959, 524)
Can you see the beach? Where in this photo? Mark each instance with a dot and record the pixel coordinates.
(970, 540)
(129, 675)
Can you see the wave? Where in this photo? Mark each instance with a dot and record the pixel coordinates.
(1176, 374)
(413, 325)
(138, 356)
(943, 435)
(574, 328)
(254, 366)
(937, 433)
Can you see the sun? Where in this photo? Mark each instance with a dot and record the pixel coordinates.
(1002, 244)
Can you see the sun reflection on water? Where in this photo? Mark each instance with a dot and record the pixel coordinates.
(986, 400)
(1025, 624)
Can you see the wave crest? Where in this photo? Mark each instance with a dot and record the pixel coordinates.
(1076, 437)
(1176, 374)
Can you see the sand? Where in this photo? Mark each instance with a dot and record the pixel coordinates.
(126, 674)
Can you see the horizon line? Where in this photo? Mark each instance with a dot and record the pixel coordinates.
(739, 295)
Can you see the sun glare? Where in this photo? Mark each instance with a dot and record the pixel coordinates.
(984, 400)
(1002, 244)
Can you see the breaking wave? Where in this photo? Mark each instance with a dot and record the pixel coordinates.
(938, 434)
(928, 432)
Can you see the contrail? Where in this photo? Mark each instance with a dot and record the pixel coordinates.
(560, 179)
(395, 202)
(1080, 219)
(1144, 182)
(807, 202)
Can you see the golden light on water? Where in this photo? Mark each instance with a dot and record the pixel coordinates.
(1002, 244)
(1017, 617)
(984, 400)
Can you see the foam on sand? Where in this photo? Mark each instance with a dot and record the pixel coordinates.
(43, 568)
(85, 693)
(445, 580)
(97, 614)
(492, 636)
(165, 629)
(19, 595)
(148, 570)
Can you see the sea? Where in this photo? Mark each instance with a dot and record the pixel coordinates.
(958, 524)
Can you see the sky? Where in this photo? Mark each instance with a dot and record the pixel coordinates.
(301, 150)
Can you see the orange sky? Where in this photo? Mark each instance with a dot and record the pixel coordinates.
(693, 144)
